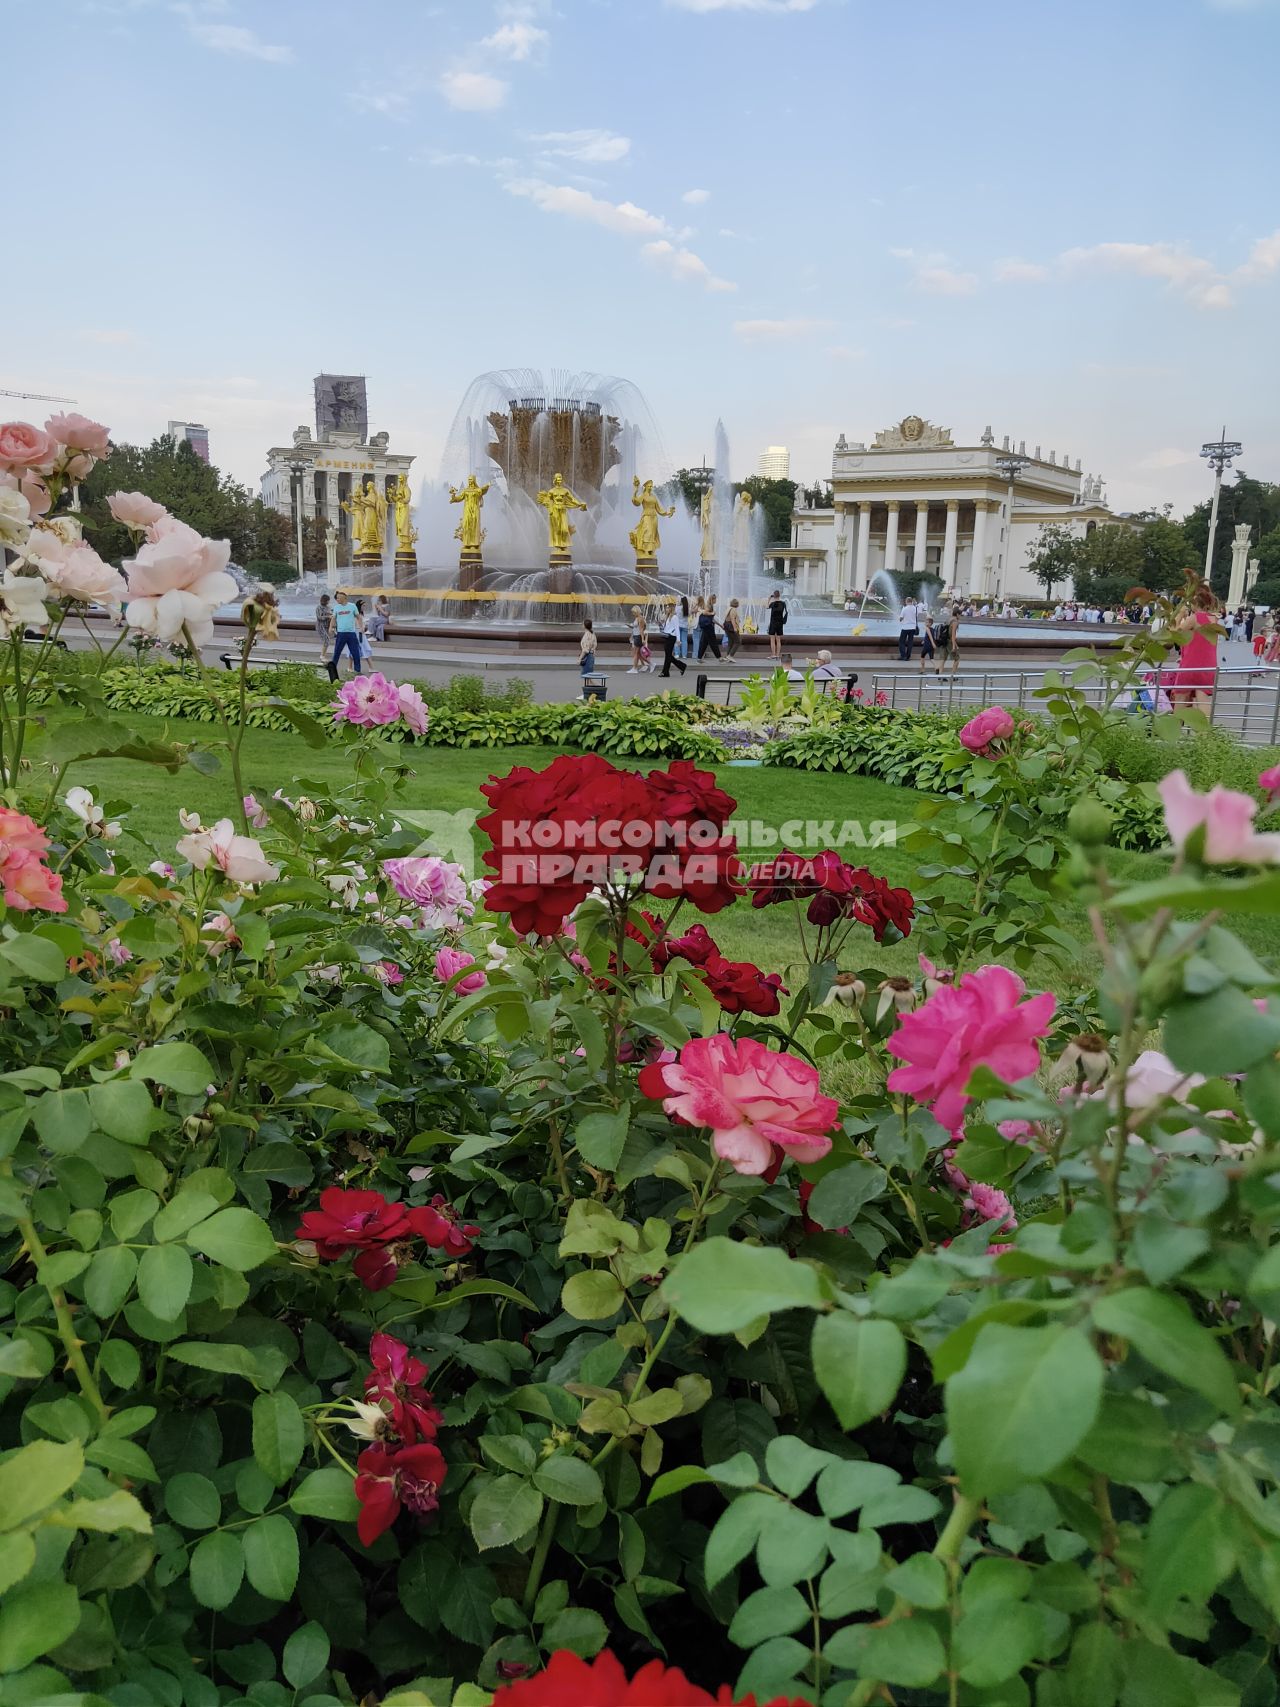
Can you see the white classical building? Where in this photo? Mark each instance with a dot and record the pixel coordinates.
(914, 499)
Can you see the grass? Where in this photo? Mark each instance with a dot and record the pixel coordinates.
(447, 780)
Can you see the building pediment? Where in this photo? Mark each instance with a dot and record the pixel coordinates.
(912, 433)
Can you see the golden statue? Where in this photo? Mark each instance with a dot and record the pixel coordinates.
(406, 533)
(557, 501)
(471, 497)
(707, 516)
(367, 508)
(644, 535)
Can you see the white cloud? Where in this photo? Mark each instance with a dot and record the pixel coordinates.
(107, 335)
(1264, 260)
(777, 331)
(944, 281)
(624, 217)
(473, 91)
(387, 103)
(1194, 277)
(843, 353)
(516, 40)
(743, 5)
(236, 39)
(1021, 272)
(598, 147)
(1169, 458)
(683, 264)
(695, 198)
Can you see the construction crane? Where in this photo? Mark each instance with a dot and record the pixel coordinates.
(35, 396)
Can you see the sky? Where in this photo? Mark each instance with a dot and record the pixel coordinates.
(805, 217)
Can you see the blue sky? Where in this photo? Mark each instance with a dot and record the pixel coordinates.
(804, 216)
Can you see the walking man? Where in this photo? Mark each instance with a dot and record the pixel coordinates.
(346, 634)
(908, 628)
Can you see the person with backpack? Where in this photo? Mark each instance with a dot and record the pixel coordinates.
(776, 611)
(707, 638)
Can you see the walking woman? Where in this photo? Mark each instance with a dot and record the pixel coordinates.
(928, 640)
(1198, 659)
(732, 628)
(587, 649)
(707, 641)
(346, 634)
(671, 641)
(639, 643)
(776, 610)
(324, 626)
(947, 636)
(682, 630)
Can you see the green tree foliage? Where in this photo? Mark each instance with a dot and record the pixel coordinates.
(1110, 564)
(777, 498)
(193, 491)
(1055, 556)
(687, 483)
(1266, 589)
(1255, 502)
(1166, 556)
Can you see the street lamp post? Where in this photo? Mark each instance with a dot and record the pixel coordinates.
(298, 470)
(1219, 456)
(1011, 466)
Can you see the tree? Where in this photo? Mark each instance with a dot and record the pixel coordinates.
(690, 483)
(1255, 502)
(1109, 566)
(1266, 589)
(777, 498)
(1055, 556)
(1166, 556)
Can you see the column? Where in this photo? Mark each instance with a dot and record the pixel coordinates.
(949, 544)
(920, 559)
(977, 568)
(864, 548)
(891, 537)
(840, 546)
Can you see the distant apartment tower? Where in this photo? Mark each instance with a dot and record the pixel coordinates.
(195, 434)
(775, 463)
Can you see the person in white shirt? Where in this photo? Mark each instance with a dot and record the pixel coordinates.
(908, 628)
(671, 640)
(788, 664)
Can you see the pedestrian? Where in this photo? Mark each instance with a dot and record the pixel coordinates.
(928, 640)
(639, 643)
(946, 637)
(1198, 660)
(379, 617)
(707, 639)
(346, 634)
(824, 669)
(587, 650)
(908, 628)
(776, 611)
(366, 645)
(733, 628)
(671, 640)
(324, 626)
(1250, 618)
(682, 628)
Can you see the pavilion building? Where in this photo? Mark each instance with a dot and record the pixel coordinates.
(915, 500)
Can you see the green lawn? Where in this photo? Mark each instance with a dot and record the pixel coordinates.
(447, 779)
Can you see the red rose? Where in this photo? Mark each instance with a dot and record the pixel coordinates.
(349, 1220)
(396, 1384)
(695, 946)
(437, 1223)
(391, 1477)
(570, 1681)
(741, 988)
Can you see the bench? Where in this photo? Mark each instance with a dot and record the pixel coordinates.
(31, 638)
(838, 684)
(257, 661)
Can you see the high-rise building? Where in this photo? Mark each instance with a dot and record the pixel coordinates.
(775, 463)
(195, 433)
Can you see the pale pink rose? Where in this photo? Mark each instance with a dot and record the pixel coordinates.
(78, 432)
(934, 976)
(175, 558)
(15, 514)
(993, 724)
(1269, 783)
(238, 857)
(754, 1100)
(32, 488)
(26, 448)
(118, 952)
(367, 701)
(987, 1203)
(979, 1022)
(451, 961)
(27, 883)
(255, 813)
(218, 933)
(387, 972)
(427, 881)
(1016, 1131)
(413, 708)
(167, 617)
(135, 510)
(20, 834)
(84, 576)
(1226, 818)
(1153, 1077)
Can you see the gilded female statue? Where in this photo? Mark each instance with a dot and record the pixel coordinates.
(644, 536)
(406, 533)
(469, 531)
(367, 509)
(557, 501)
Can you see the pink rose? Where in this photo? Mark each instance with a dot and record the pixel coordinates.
(979, 1022)
(255, 813)
(238, 857)
(1153, 1077)
(20, 834)
(1222, 821)
(135, 510)
(28, 883)
(1269, 782)
(413, 708)
(451, 961)
(388, 973)
(988, 1203)
(32, 488)
(993, 724)
(428, 881)
(754, 1100)
(24, 447)
(118, 952)
(78, 432)
(177, 581)
(82, 574)
(367, 701)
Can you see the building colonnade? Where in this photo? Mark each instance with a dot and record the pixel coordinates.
(961, 523)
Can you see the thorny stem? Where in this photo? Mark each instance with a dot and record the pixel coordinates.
(62, 1314)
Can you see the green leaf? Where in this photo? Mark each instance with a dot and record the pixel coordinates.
(1163, 1248)
(592, 1296)
(328, 1493)
(1188, 1549)
(217, 1569)
(769, 1612)
(123, 1109)
(180, 1066)
(122, 1458)
(34, 1476)
(840, 1194)
(736, 1533)
(192, 1500)
(577, 1629)
(63, 1266)
(108, 1516)
(568, 1481)
(235, 1237)
(306, 1654)
(62, 1120)
(279, 1435)
(35, 1619)
(995, 1642)
(165, 1274)
(601, 1139)
(1023, 1402)
(1163, 1329)
(35, 957)
(1219, 1033)
(271, 1556)
(504, 1509)
(908, 1653)
(17, 1555)
(355, 1045)
(859, 1364)
(792, 1464)
(721, 1286)
(227, 1359)
(921, 1579)
(182, 1213)
(845, 1486)
(466, 1606)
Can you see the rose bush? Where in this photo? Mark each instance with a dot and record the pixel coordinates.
(427, 1292)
